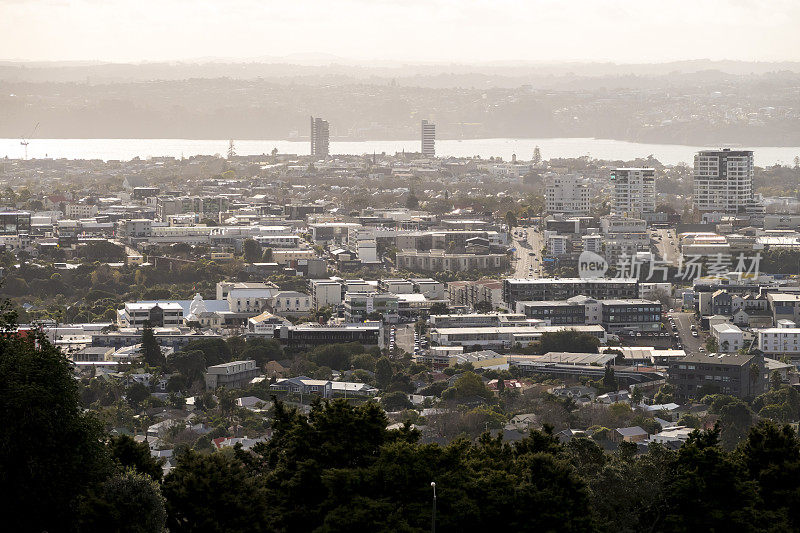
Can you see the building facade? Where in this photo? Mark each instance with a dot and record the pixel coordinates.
(235, 374)
(723, 180)
(320, 138)
(515, 290)
(566, 194)
(439, 260)
(428, 138)
(743, 376)
(634, 191)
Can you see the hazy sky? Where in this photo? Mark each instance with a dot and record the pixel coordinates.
(411, 30)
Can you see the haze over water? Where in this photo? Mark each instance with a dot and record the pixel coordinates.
(126, 149)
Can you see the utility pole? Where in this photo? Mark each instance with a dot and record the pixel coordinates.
(433, 518)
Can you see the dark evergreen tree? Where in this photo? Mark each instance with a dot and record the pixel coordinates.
(211, 493)
(136, 455)
(151, 351)
(51, 452)
(129, 502)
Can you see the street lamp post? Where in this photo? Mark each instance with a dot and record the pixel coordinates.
(433, 518)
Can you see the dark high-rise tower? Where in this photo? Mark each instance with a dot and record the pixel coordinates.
(320, 137)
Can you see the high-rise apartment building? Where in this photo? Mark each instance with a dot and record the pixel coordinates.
(428, 138)
(723, 180)
(320, 137)
(634, 191)
(566, 194)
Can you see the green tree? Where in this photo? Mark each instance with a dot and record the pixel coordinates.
(364, 361)
(711, 345)
(252, 250)
(191, 364)
(267, 257)
(609, 380)
(262, 351)
(511, 219)
(483, 307)
(771, 455)
(215, 350)
(51, 452)
(568, 341)
(395, 401)
(412, 202)
(735, 420)
(336, 356)
(209, 493)
(151, 351)
(136, 394)
(665, 394)
(469, 385)
(439, 308)
(715, 482)
(636, 396)
(383, 373)
(131, 454)
(127, 502)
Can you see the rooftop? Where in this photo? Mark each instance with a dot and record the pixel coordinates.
(719, 359)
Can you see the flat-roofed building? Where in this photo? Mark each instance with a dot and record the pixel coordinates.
(235, 374)
(359, 306)
(522, 289)
(784, 306)
(634, 191)
(780, 341)
(325, 292)
(740, 375)
(439, 260)
(308, 335)
(567, 195)
(155, 314)
(504, 337)
(723, 180)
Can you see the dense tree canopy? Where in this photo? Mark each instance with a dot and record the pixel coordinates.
(339, 469)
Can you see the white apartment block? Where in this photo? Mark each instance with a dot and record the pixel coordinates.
(729, 337)
(283, 257)
(634, 191)
(76, 211)
(779, 341)
(325, 292)
(566, 194)
(290, 302)
(723, 180)
(438, 261)
(157, 314)
(557, 244)
(592, 243)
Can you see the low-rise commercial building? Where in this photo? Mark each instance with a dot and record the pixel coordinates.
(516, 290)
(359, 306)
(740, 375)
(155, 314)
(309, 335)
(439, 260)
(504, 337)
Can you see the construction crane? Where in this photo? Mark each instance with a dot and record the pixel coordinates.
(24, 142)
